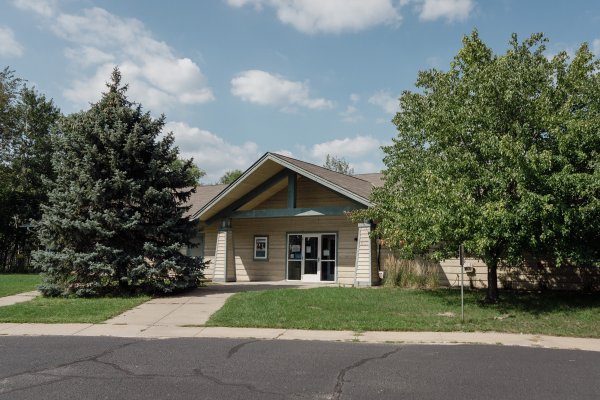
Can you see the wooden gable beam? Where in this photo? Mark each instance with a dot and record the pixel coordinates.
(226, 212)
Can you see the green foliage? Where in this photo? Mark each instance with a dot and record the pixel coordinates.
(421, 274)
(338, 165)
(230, 176)
(26, 119)
(501, 153)
(194, 172)
(114, 222)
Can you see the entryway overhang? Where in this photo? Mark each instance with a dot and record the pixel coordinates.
(271, 174)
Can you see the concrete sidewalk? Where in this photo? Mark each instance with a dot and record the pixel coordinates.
(18, 298)
(173, 331)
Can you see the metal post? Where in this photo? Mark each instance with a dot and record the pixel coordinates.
(461, 252)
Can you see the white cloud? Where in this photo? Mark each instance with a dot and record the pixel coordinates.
(451, 10)
(363, 153)
(365, 167)
(151, 68)
(330, 16)
(45, 8)
(350, 114)
(9, 46)
(347, 147)
(387, 102)
(210, 152)
(284, 152)
(87, 55)
(261, 87)
(157, 77)
(216, 156)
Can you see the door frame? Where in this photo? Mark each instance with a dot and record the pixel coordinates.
(319, 235)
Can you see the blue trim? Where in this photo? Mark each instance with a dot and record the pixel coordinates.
(292, 212)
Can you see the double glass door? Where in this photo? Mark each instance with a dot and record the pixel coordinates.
(311, 257)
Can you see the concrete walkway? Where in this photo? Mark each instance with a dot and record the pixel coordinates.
(192, 309)
(18, 298)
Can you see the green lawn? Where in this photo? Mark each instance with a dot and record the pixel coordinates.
(18, 283)
(389, 309)
(67, 310)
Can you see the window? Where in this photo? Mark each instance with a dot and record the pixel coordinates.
(196, 248)
(261, 247)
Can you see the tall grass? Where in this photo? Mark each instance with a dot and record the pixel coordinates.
(418, 273)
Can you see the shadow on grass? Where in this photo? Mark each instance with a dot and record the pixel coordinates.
(531, 302)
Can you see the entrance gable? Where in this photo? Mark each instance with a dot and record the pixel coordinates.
(309, 194)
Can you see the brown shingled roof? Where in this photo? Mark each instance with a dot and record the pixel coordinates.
(375, 178)
(203, 195)
(356, 184)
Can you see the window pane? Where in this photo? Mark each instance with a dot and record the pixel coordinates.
(197, 247)
(310, 248)
(294, 270)
(295, 247)
(328, 247)
(328, 271)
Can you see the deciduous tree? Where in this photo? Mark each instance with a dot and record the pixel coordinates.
(338, 164)
(501, 153)
(230, 176)
(26, 120)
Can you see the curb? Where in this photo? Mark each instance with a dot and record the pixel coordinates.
(171, 331)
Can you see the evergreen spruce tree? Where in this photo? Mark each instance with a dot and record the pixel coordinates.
(115, 220)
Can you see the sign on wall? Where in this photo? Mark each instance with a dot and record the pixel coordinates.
(261, 247)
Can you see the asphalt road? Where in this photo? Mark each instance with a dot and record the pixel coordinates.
(116, 368)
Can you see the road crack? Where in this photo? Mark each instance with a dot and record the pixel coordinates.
(246, 386)
(237, 348)
(45, 372)
(339, 385)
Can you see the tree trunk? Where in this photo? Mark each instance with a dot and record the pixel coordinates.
(492, 289)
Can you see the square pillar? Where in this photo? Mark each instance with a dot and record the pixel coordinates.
(363, 272)
(224, 270)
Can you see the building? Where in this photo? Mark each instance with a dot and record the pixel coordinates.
(285, 219)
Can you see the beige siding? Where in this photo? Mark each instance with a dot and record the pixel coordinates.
(210, 245)
(309, 194)
(536, 276)
(244, 230)
(220, 256)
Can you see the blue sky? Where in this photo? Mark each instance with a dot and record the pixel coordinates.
(237, 78)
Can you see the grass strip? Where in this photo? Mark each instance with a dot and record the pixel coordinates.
(69, 310)
(392, 309)
(18, 283)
